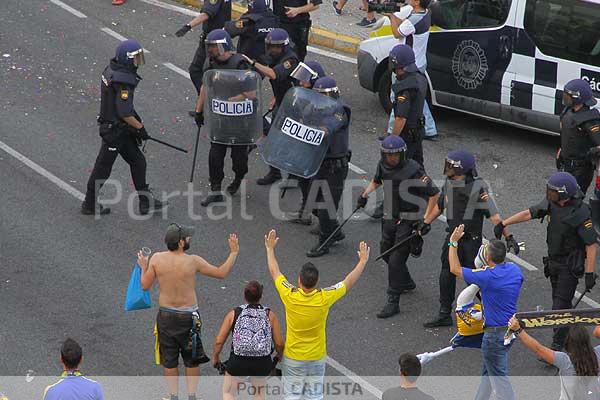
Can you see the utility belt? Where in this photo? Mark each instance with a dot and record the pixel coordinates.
(573, 163)
(336, 162)
(574, 262)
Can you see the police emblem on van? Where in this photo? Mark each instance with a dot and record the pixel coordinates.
(469, 64)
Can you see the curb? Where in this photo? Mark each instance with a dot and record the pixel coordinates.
(318, 36)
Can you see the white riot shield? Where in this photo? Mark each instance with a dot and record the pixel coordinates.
(298, 138)
(232, 106)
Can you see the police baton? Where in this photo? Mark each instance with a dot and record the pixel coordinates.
(167, 144)
(195, 155)
(337, 229)
(394, 247)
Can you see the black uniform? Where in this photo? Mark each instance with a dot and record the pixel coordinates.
(409, 96)
(334, 169)
(466, 202)
(569, 230)
(239, 153)
(580, 131)
(252, 28)
(400, 219)
(298, 27)
(117, 93)
(218, 11)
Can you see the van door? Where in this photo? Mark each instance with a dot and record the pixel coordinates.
(469, 55)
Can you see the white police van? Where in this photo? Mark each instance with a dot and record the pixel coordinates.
(504, 60)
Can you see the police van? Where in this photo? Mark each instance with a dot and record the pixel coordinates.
(504, 60)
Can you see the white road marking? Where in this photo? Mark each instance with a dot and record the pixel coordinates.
(178, 70)
(331, 54)
(40, 170)
(357, 169)
(172, 7)
(587, 300)
(118, 36)
(68, 8)
(354, 377)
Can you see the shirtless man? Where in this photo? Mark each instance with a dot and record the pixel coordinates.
(178, 319)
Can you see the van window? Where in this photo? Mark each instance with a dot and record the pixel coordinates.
(567, 29)
(468, 14)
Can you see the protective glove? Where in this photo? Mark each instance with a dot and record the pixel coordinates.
(199, 118)
(511, 244)
(590, 280)
(594, 154)
(361, 202)
(498, 230)
(184, 29)
(559, 163)
(142, 133)
(423, 228)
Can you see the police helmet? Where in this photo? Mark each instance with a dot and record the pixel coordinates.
(277, 37)
(308, 72)
(221, 39)
(403, 56)
(257, 6)
(460, 162)
(130, 53)
(393, 145)
(327, 86)
(561, 186)
(581, 92)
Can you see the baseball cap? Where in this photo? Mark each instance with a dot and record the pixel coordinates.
(176, 232)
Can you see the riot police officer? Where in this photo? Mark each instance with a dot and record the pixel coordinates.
(219, 48)
(571, 242)
(121, 130)
(334, 168)
(467, 201)
(409, 95)
(213, 15)
(404, 177)
(282, 61)
(252, 28)
(579, 133)
(295, 19)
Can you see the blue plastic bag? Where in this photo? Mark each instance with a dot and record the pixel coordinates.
(136, 297)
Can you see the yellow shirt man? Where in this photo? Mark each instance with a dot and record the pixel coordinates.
(306, 318)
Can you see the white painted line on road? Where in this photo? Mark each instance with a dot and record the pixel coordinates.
(69, 8)
(178, 70)
(357, 169)
(40, 170)
(118, 36)
(354, 377)
(587, 300)
(172, 7)
(331, 54)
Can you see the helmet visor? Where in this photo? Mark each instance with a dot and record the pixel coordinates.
(556, 193)
(137, 56)
(215, 48)
(451, 166)
(303, 73)
(331, 92)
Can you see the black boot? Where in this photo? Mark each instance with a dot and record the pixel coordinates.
(316, 252)
(290, 183)
(316, 230)
(390, 308)
(273, 176)
(377, 212)
(149, 203)
(299, 217)
(94, 209)
(234, 186)
(215, 196)
(443, 319)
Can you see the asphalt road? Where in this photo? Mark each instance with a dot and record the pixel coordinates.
(65, 275)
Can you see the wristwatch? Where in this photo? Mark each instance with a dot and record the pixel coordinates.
(452, 244)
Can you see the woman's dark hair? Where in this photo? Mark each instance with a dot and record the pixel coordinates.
(253, 292)
(579, 348)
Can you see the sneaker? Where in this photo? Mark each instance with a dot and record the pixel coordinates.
(95, 210)
(272, 176)
(390, 308)
(234, 187)
(365, 23)
(439, 321)
(336, 9)
(212, 198)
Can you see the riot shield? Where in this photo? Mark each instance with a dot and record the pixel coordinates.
(298, 138)
(232, 106)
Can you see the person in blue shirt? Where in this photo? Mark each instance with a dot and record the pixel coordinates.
(72, 384)
(499, 284)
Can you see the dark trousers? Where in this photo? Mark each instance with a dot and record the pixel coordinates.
(392, 232)
(127, 147)
(468, 247)
(332, 175)
(299, 32)
(584, 173)
(304, 185)
(196, 68)
(414, 151)
(216, 163)
(563, 289)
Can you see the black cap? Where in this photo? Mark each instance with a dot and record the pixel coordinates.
(176, 232)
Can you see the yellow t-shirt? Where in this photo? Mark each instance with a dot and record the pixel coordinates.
(306, 318)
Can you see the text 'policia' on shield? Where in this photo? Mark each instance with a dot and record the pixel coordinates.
(302, 132)
(232, 108)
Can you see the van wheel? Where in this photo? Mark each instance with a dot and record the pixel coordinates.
(385, 85)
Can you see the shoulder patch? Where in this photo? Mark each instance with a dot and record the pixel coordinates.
(339, 116)
(124, 94)
(595, 129)
(286, 284)
(287, 64)
(401, 98)
(239, 24)
(588, 224)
